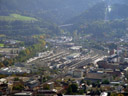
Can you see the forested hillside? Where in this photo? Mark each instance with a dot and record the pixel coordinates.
(112, 10)
(52, 10)
(16, 24)
(97, 12)
(87, 16)
(101, 30)
(119, 11)
(28, 17)
(104, 20)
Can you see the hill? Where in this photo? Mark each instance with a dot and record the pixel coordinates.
(96, 13)
(16, 24)
(53, 10)
(102, 11)
(118, 11)
(102, 22)
(80, 13)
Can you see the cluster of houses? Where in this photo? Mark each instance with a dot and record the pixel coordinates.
(9, 48)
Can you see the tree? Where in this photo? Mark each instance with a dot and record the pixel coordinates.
(27, 52)
(1, 64)
(16, 79)
(82, 81)
(120, 95)
(105, 82)
(74, 87)
(88, 82)
(69, 90)
(6, 62)
(113, 94)
(18, 87)
(94, 84)
(46, 87)
(81, 91)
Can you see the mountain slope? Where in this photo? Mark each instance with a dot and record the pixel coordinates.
(14, 17)
(53, 10)
(16, 24)
(97, 12)
(102, 11)
(118, 11)
(102, 22)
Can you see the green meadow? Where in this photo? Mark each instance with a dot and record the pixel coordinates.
(14, 17)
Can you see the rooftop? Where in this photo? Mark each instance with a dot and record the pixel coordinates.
(23, 93)
(95, 75)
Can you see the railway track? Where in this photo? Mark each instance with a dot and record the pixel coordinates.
(76, 65)
(49, 58)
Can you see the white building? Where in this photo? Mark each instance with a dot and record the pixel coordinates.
(23, 94)
(104, 94)
(76, 48)
(125, 59)
(3, 80)
(73, 56)
(14, 70)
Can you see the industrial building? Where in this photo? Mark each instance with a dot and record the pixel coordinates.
(73, 56)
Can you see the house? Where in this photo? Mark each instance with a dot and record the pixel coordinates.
(107, 87)
(51, 85)
(32, 84)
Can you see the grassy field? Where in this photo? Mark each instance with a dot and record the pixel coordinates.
(2, 35)
(1, 45)
(14, 17)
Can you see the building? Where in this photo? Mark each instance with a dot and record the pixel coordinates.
(97, 77)
(104, 94)
(46, 93)
(126, 60)
(23, 94)
(3, 81)
(51, 85)
(112, 52)
(76, 48)
(78, 73)
(32, 84)
(14, 70)
(73, 56)
(69, 44)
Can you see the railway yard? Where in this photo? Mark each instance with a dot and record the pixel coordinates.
(58, 59)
